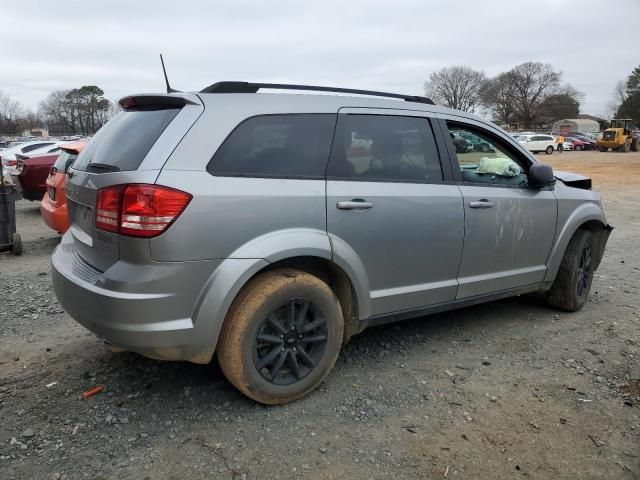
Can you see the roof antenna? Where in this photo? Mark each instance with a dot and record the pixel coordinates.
(166, 79)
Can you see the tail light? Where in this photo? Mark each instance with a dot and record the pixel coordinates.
(139, 210)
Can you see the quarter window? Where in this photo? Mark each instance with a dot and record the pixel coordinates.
(293, 145)
(385, 147)
(485, 159)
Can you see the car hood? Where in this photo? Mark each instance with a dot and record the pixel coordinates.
(573, 179)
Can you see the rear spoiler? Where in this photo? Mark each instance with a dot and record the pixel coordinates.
(142, 102)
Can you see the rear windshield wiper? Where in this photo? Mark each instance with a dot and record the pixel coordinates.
(103, 167)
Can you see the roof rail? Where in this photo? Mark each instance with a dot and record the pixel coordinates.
(247, 87)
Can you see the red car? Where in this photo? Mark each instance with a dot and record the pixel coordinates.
(54, 202)
(32, 173)
(579, 144)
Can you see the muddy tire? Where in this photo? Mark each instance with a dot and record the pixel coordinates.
(549, 150)
(281, 337)
(570, 290)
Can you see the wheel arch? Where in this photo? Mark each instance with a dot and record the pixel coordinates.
(338, 280)
(589, 217)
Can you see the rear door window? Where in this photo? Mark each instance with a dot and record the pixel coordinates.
(282, 146)
(385, 148)
(125, 140)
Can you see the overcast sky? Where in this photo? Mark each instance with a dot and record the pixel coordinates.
(390, 45)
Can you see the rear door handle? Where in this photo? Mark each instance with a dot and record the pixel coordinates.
(483, 203)
(355, 204)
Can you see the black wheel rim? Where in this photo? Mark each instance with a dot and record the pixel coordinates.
(584, 272)
(290, 342)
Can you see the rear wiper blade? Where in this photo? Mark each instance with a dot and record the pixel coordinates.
(103, 166)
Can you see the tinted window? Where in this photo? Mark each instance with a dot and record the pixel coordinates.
(385, 147)
(35, 147)
(276, 146)
(125, 140)
(64, 161)
(490, 160)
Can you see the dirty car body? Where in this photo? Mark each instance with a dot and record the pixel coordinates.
(183, 200)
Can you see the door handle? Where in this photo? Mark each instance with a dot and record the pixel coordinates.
(482, 203)
(355, 204)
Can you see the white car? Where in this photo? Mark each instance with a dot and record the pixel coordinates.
(567, 145)
(538, 143)
(8, 155)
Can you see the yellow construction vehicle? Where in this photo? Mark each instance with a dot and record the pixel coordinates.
(618, 137)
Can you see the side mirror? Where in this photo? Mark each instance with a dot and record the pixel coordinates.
(541, 175)
(528, 140)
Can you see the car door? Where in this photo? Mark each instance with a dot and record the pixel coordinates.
(393, 210)
(536, 144)
(509, 227)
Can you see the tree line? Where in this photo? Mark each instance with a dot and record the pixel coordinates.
(80, 110)
(529, 94)
(626, 97)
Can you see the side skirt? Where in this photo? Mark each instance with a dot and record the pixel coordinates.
(446, 306)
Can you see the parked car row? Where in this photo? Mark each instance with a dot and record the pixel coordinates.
(38, 170)
(548, 143)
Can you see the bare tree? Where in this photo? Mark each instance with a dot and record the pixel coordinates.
(497, 96)
(533, 83)
(11, 114)
(529, 93)
(455, 87)
(81, 110)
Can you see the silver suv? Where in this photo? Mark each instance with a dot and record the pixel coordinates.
(270, 227)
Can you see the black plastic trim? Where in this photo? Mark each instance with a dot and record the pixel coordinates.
(450, 305)
(247, 87)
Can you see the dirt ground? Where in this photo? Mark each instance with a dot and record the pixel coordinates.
(510, 389)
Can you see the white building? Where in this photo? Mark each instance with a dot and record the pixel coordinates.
(575, 125)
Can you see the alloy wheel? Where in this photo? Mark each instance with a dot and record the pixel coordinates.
(290, 342)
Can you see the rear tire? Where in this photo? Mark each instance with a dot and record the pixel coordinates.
(603, 149)
(549, 150)
(272, 347)
(570, 290)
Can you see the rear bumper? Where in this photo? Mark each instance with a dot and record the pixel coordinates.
(28, 190)
(146, 309)
(55, 216)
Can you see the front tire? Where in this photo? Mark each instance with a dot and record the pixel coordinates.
(578, 148)
(570, 290)
(549, 150)
(281, 337)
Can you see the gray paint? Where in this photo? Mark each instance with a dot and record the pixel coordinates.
(419, 248)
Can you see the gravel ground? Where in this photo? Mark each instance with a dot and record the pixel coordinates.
(508, 389)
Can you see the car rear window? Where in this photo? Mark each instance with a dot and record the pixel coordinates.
(35, 146)
(64, 161)
(282, 146)
(125, 140)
